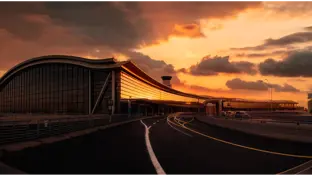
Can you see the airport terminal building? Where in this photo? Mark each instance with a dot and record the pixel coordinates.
(74, 85)
(60, 84)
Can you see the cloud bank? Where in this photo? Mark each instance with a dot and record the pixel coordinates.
(259, 85)
(210, 66)
(295, 65)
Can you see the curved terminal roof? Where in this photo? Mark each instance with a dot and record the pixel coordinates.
(109, 63)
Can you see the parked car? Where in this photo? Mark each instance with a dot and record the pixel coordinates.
(242, 115)
(230, 114)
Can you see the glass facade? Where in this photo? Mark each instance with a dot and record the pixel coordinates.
(63, 88)
(98, 80)
(47, 88)
(132, 88)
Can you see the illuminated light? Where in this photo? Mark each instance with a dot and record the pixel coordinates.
(137, 89)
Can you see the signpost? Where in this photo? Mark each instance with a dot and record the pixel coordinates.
(129, 107)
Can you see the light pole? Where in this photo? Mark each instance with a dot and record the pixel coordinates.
(271, 91)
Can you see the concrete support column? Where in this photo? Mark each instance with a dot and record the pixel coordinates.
(113, 91)
(90, 102)
(219, 107)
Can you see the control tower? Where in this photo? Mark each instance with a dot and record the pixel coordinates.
(166, 80)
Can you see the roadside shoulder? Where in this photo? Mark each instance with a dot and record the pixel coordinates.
(280, 132)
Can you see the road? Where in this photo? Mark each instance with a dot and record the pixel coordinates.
(173, 145)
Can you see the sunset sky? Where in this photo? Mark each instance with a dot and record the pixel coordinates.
(223, 49)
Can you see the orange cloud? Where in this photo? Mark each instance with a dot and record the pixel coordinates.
(188, 30)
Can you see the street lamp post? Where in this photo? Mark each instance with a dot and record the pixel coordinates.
(271, 92)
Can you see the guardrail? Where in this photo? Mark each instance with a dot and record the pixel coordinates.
(265, 120)
(282, 121)
(24, 130)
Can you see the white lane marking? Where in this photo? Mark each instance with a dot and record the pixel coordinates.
(242, 146)
(178, 129)
(157, 166)
(291, 169)
(298, 173)
(308, 162)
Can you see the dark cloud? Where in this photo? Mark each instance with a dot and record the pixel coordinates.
(189, 30)
(296, 64)
(117, 24)
(190, 26)
(308, 28)
(255, 48)
(154, 68)
(258, 86)
(182, 70)
(267, 54)
(35, 28)
(285, 88)
(104, 23)
(296, 80)
(215, 65)
(240, 84)
(15, 18)
(253, 55)
(298, 37)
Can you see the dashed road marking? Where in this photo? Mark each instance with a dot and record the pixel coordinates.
(242, 146)
(178, 129)
(151, 153)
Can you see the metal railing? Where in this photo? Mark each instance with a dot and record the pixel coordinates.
(282, 121)
(25, 130)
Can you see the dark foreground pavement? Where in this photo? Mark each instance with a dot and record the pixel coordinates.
(118, 150)
(122, 150)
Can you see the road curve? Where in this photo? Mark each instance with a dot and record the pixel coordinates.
(180, 144)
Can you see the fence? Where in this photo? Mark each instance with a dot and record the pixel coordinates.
(23, 130)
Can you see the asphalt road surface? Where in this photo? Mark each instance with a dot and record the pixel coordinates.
(175, 145)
